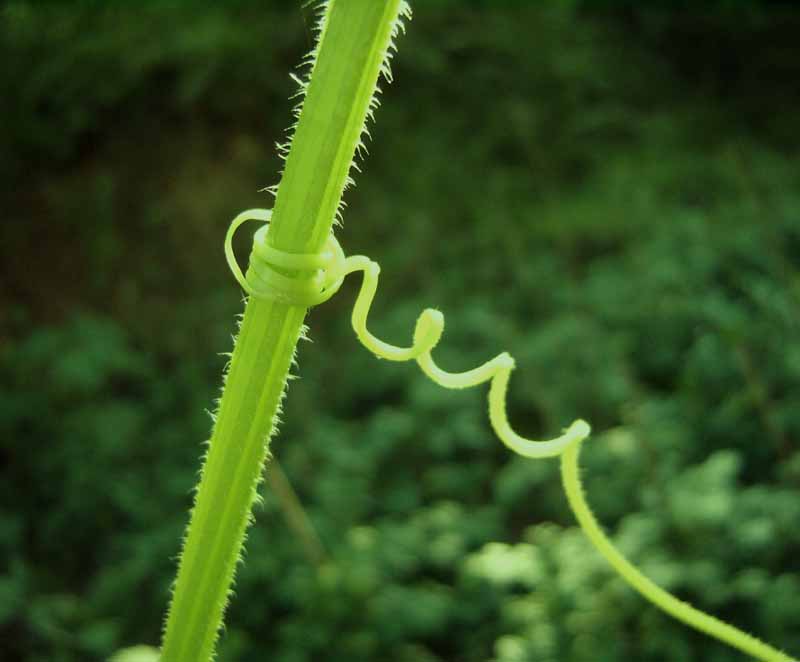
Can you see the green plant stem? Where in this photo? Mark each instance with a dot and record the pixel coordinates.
(351, 52)
(297, 518)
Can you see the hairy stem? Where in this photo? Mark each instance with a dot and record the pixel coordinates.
(354, 38)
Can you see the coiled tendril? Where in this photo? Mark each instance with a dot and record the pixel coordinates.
(319, 277)
(306, 280)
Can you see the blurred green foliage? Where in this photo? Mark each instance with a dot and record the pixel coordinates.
(611, 195)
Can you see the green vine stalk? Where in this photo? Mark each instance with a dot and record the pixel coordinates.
(296, 262)
(353, 48)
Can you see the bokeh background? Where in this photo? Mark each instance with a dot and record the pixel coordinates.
(609, 192)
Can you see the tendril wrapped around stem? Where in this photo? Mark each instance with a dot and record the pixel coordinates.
(307, 280)
(316, 278)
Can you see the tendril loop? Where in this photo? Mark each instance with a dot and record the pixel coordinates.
(299, 279)
(303, 279)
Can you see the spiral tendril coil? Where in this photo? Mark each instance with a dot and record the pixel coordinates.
(306, 280)
(318, 277)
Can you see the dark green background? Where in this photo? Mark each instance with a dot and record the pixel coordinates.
(610, 193)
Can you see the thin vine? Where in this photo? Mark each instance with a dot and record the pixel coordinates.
(317, 277)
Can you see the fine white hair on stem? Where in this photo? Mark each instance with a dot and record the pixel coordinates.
(321, 10)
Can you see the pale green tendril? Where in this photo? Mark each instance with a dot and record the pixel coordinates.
(307, 280)
(321, 274)
(678, 609)
(318, 277)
